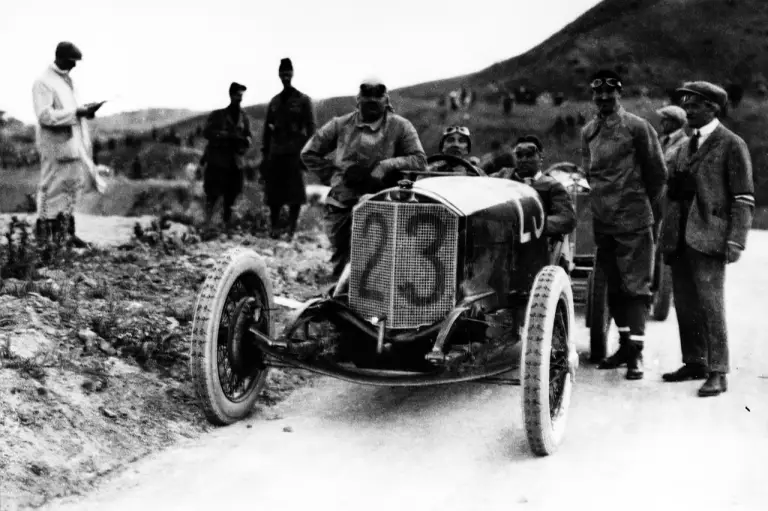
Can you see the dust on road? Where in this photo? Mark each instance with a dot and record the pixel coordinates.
(629, 445)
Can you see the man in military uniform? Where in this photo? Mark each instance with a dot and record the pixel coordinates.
(558, 205)
(228, 132)
(370, 146)
(289, 124)
(701, 236)
(627, 175)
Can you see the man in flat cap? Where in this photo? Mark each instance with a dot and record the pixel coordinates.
(711, 196)
(228, 132)
(558, 205)
(627, 174)
(673, 137)
(370, 146)
(289, 124)
(64, 144)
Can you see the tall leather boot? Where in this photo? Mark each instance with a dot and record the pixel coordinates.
(73, 238)
(622, 355)
(635, 361)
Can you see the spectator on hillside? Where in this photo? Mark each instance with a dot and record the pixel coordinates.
(64, 144)
(228, 132)
(289, 124)
(507, 103)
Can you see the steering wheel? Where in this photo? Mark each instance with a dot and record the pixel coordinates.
(450, 161)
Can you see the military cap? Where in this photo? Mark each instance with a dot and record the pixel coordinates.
(706, 90)
(531, 139)
(673, 112)
(67, 50)
(285, 65)
(237, 87)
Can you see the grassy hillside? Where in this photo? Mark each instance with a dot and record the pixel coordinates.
(654, 43)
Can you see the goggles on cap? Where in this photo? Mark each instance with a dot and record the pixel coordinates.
(373, 90)
(610, 82)
(461, 130)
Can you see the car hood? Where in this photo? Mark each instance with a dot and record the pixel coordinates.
(470, 194)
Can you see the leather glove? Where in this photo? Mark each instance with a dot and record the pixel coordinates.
(356, 175)
(732, 253)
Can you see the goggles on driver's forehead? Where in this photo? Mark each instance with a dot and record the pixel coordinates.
(609, 82)
(373, 90)
(461, 130)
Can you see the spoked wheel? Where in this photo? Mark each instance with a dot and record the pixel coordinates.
(550, 360)
(600, 315)
(228, 370)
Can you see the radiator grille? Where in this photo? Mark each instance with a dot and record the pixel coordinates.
(403, 262)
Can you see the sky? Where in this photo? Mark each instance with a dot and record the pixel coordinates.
(185, 53)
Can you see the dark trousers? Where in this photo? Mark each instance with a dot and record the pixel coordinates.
(226, 183)
(339, 230)
(293, 216)
(626, 260)
(698, 283)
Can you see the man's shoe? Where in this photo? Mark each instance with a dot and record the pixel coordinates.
(714, 386)
(618, 359)
(635, 362)
(687, 372)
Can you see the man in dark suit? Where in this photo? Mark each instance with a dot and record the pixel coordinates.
(711, 202)
(228, 132)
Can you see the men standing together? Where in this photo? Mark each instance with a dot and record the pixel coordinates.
(289, 124)
(627, 174)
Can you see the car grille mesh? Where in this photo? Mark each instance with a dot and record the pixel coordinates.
(403, 262)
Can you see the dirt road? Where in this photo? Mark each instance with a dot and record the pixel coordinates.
(629, 445)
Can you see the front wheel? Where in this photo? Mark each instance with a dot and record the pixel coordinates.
(228, 370)
(550, 360)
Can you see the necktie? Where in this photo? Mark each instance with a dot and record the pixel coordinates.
(694, 144)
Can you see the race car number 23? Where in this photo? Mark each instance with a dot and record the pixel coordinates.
(407, 290)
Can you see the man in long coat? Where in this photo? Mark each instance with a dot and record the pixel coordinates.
(64, 145)
(711, 196)
(289, 124)
(627, 174)
(228, 132)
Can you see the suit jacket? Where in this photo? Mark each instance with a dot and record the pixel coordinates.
(228, 138)
(61, 135)
(720, 211)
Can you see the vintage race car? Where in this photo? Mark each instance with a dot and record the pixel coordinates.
(590, 286)
(450, 280)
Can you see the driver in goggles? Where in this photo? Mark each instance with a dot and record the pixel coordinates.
(558, 205)
(456, 141)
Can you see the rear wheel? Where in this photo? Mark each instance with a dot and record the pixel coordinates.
(228, 370)
(662, 298)
(599, 316)
(550, 360)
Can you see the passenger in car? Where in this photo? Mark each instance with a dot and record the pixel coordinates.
(455, 141)
(558, 205)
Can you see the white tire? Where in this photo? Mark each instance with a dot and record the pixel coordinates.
(549, 359)
(239, 275)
